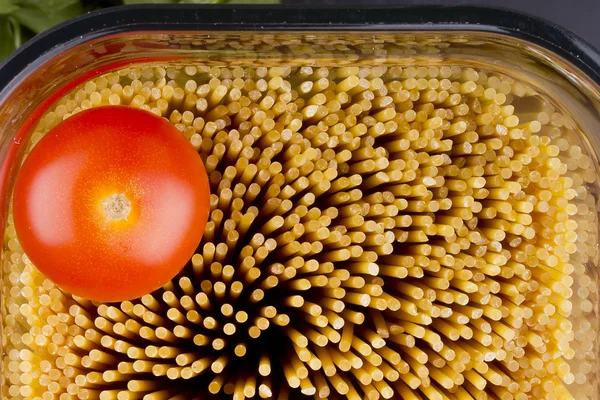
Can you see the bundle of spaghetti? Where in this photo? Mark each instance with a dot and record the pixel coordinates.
(375, 232)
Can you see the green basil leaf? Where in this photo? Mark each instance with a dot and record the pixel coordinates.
(148, 1)
(7, 7)
(18, 39)
(198, 1)
(7, 44)
(49, 6)
(39, 20)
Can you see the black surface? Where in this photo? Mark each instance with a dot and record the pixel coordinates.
(580, 16)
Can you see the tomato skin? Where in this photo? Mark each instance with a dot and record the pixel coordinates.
(60, 200)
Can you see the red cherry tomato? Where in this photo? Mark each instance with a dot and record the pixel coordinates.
(111, 203)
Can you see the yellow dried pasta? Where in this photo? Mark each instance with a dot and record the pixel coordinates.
(425, 232)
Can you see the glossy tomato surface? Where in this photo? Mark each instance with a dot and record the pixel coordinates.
(111, 203)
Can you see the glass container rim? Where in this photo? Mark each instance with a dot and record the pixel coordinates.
(264, 18)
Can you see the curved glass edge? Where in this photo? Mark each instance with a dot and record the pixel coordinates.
(571, 89)
(154, 17)
(288, 18)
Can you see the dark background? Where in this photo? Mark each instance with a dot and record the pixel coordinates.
(579, 16)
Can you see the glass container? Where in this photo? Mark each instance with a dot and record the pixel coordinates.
(543, 345)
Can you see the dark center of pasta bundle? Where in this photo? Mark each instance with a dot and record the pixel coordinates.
(416, 233)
